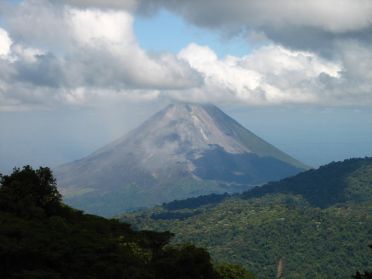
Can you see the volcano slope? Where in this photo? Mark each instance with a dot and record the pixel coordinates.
(185, 150)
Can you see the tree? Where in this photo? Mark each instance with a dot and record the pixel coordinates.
(27, 188)
(365, 275)
(184, 262)
(42, 238)
(232, 271)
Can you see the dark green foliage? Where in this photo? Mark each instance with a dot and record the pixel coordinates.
(42, 238)
(317, 239)
(186, 262)
(232, 271)
(173, 215)
(28, 190)
(326, 186)
(195, 202)
(365, 275)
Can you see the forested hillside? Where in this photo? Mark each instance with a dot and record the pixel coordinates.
(319, 221)
(40, 237)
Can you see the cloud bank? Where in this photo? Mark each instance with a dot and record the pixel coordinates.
(331, 15)
(307, 24)
(80, 53)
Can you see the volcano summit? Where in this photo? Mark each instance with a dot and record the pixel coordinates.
(184, 150)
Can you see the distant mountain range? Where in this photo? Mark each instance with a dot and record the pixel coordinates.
(185, 150)
(319, 222)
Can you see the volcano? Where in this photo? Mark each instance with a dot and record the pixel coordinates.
(185, 150)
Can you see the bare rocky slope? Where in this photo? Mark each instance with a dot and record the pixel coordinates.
(182, 151)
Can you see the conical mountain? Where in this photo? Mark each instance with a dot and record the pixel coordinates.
(182, 151)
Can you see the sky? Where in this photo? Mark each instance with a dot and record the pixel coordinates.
(77, 74)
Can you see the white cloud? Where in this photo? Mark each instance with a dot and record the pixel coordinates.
(277, 60)
(107, 37)
(68, 55)
(223, 74)
(101, 54)
(26, 54)
(269, 75)
(92, 27)
(5, 43)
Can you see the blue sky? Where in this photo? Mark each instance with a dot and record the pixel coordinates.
(165, 31)
(77, 74)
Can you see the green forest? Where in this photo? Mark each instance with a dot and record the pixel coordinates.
(319, 222)
(212, 236)
(40, 237)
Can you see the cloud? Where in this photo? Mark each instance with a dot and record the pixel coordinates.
(5, 43)
(109, 4)
(308, 51)
(84, 54)
(92, 27)
(269, 75)
(38, 24)
(99, 53)
(304, 24)
(108, 36)
(331, 15)
(271, 16)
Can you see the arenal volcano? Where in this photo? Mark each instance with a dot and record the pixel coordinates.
(184, 150)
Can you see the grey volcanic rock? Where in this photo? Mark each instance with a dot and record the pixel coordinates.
(182, 151)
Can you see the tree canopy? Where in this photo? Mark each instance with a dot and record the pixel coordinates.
(40, 237)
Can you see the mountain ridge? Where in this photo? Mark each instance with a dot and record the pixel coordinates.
(319, 221)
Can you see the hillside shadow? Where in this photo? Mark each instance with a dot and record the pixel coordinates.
(244, 168)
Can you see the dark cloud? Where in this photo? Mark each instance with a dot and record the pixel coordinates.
(308, 25)
(109, 4)
(46, 70)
